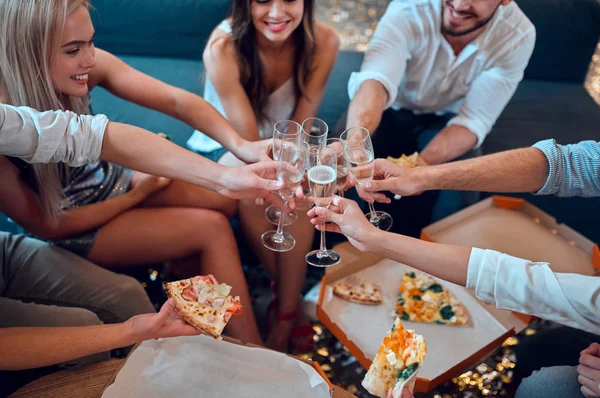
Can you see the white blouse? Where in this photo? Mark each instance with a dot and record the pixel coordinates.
(52, 136)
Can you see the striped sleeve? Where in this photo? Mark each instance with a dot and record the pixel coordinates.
(574, 170)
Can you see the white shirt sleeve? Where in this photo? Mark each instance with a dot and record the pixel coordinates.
(388, 52)
(493, 88)
(50, 137)
(532, 288)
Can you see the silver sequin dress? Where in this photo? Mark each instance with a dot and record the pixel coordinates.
(84, 185)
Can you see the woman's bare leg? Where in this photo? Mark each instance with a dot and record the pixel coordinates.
(287, 269)
(183, 194)
(146, 235)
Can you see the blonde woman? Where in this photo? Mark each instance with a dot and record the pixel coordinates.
(112, 216)
(269, 61)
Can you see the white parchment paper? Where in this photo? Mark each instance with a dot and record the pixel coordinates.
(200, 366)
(447, 345)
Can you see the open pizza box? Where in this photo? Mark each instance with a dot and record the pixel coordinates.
(200, 366)
(509, 225)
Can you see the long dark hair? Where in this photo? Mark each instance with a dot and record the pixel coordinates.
(243, 34)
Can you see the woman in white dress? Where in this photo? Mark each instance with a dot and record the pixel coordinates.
(270, 61)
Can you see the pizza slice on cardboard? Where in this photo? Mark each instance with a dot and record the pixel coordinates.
(400, 356)
(422, 299)
(204, 303)
(363, 293)
(406, 161)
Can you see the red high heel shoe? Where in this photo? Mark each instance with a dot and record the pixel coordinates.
(301, 337)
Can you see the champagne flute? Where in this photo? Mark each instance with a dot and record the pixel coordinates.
(322, 171)
(283, 130)
(292, 163)
(360, 155)
(342, 164)
(314, 131)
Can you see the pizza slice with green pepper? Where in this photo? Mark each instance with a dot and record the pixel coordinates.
(422, 299)
(399, 357)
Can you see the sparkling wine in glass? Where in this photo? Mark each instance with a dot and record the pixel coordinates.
(342, 164)
(322, 176)
(360, 155)
(283, 130)
(291, 167)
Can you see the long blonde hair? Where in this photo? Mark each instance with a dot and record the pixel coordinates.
(30, 33)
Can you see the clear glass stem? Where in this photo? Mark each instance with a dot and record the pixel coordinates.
(374, 216)
(341, 193)
(323, 247)
(278, 237)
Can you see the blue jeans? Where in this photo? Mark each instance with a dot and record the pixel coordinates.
(556, 381)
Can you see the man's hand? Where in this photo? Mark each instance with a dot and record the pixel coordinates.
(251, 152)
(257, 180)
(167, 323)
(589, 371)
(347, 219)
(391, 177)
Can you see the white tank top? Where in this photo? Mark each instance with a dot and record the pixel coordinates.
(280, 106)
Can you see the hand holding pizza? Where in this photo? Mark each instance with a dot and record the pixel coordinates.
(589, 371)
(405, 393)
(347, 219)
(164, 324)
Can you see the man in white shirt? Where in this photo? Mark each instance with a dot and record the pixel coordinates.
(438, 68)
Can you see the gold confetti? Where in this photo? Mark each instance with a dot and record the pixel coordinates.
(324, 352)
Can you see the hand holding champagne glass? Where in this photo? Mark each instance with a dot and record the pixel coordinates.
(360, 155)
(292, 161)
(322, 175)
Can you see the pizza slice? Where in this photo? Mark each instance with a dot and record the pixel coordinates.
(401, 354)
(406, 161)
(365, 293)
(204, 303)
(422, 299)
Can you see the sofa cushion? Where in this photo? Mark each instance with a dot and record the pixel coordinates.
(567, 33)
(170, 28)
(335, 101)
(541, 110)
(184, 73)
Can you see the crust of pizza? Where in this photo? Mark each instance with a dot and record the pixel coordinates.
(365, 293)
(422, 299)
(196, 314)
(400, 356)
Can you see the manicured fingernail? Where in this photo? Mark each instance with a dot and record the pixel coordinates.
(368, 185)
